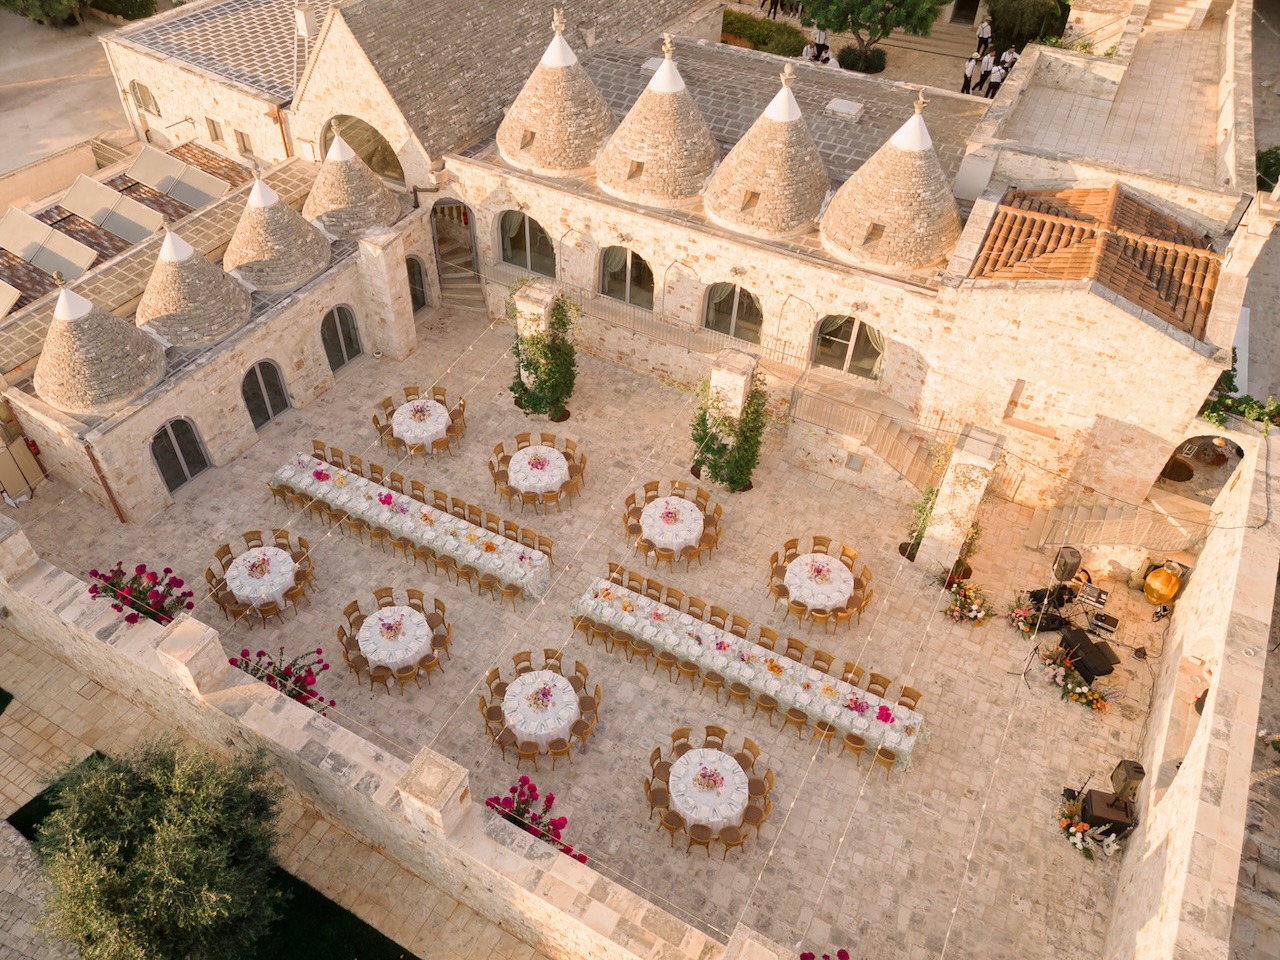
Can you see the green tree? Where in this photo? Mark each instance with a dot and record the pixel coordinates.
(870, 21)
(162, 854)
(1018, 20)
(56, 12)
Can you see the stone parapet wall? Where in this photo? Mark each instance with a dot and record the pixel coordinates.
(421, 814)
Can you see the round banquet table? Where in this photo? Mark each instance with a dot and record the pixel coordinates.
(420, 431)
(527, 479)
(804, 579)
(540, 725)
(714, 808)
(412, 643)
(270, 586)
(684, 531)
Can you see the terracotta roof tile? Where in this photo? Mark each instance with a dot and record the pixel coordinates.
(1105, 235)
(212, 163)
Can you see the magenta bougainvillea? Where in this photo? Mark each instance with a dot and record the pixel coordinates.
(146, 594)
(517, 806)
(294, 678)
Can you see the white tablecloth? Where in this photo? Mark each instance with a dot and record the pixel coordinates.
(259, 590)
(528, 480)
(540, 726)
(420, 431)
(715, 808)
(800, 581)
(424, 526)
(684, 532)
(793, 684)
(412, 644)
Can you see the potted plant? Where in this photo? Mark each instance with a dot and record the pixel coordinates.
(546, 365)
(727, 449)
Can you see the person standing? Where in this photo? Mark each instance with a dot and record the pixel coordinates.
(773, 9)
(969, 66)
(984, 35)
(997, 78)
(1008, 59)
(820, 42)
(988, 61)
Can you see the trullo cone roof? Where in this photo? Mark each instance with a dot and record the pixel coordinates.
(773, 181)
(190, 299)
(663, 152)
(559, 121)
(347, 197)
(897, 208)
(94, 361)
(273, 247)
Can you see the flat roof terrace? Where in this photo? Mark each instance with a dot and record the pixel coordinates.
(958, 856)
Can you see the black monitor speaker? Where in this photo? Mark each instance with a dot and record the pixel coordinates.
(1125, 779)
(1066, 563)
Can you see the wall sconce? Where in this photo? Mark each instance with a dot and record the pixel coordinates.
(624, 237)
(521, 206)
(737, 271)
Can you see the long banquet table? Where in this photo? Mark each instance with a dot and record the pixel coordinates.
(425, 526)
(793, 684)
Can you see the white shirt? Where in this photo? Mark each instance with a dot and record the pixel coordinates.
(987, 62)
(808, 51)
(819, 36)
(997, 75)
(984, 30)
(969, 65)
(1009, 58)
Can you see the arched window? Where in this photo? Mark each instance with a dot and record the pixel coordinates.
(371, 146)
(625, 276)
(417, 283)
(178, 453)
(526, 244)
(735, 311)
(847, 344)
(264, 394)
(143, 98)
(341, 337)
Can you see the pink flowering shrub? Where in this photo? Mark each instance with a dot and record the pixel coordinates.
(155, 596)
(294, 678)
(841, 954)
(518, 808)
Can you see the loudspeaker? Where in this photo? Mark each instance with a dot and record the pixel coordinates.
(1125, 779)
(1066, 563)
(1102, 809)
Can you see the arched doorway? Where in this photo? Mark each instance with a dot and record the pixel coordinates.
(525, 243)
(341, 337)
(371, 146)
(626, 276)
(264, 394)
(178, 453)
(733, 310)
(847, 344)
(417, 283)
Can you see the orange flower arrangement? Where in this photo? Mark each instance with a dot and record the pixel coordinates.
(490, 546)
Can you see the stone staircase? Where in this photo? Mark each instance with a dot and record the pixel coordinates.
(1165, 522)
(1170, 14)
(459, 285)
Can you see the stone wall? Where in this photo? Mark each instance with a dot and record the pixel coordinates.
(183, 91)
(1177, 882)
(37, 180)
(421, 814)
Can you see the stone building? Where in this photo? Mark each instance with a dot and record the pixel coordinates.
(900, 262)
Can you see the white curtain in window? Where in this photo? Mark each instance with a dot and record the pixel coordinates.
(718, 291)
(876, 339)
(830, 325)
(512, 221)
(615, 258)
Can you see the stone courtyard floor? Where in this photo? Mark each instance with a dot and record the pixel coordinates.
(958, 856)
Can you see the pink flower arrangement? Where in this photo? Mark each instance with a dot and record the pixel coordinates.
(320, 474)
(541, 698)
(524, 557)
(147, 594)
(385, 499)
(669, 516)
(857, 706)
(885, 715)
(657, 616)
(538, 462)
(258, 567)
(722, 645)
(419, 411)
(708, 778)
(819, 571)
(841, 954)
(425, 516)
(518, 807)
(746, 657)
(295, 678)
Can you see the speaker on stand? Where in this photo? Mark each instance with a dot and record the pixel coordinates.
(1066, 563)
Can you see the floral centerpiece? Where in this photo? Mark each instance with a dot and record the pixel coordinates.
(670, 515)
(857, 706)
(389, 629)
(340, 480)
(419, 411)
(320, 474)
(968, 604)
(147, 594)
(1272, 740)
(294, 678)
(746, 657)
(1060, 671)
(490, 547)
(885, 715)
(517, 807)
(1023, 616)
(539, 462)
(259, 566)
(385, 499)
(841, 954)
(774, 667)
(827, 690)
(722, 645)
(540, 698)
(1084, 838)
(524, 556)
(604, 593)
(708, 778)
(426, 517)
(819, 571)
(657, 616)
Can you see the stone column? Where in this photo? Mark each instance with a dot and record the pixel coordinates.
(436, 793)
(533, 304)
(732, 373)
(389, 313)
(193, 652)
(959, 496)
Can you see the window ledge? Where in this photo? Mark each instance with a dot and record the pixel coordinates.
(1047, 432)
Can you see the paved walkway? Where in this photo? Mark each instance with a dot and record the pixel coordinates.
(58, 715)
